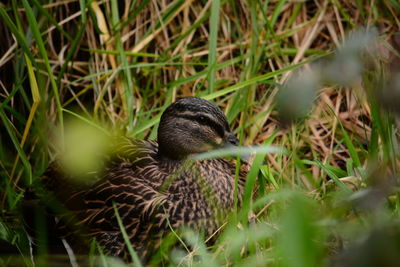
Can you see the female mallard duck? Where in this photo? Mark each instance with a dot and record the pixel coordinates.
(153, 186)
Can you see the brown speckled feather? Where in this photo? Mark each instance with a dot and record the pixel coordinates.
(150, 192)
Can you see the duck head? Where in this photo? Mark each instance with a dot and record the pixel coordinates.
(192, 125)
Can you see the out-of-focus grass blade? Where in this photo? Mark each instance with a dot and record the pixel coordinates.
(235, 240)
(395, 4)
(238, 151)
(300, 239)
(197, 243)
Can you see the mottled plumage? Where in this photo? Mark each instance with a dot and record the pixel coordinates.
(155, 185)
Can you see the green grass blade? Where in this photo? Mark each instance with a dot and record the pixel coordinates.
(351, 148)
(36, 34)
(128, 81)
(256, 79)
(14, 139)
(74, 42)
(50, 18)
(212, 46)
(20, 38)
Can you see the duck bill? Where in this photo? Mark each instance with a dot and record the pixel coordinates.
(230, 141)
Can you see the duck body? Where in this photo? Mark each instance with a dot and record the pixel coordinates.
(151, 195)
(153, 190)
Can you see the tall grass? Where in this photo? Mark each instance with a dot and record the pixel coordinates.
(332, 198)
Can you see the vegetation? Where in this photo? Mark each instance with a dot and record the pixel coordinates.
(331, 198)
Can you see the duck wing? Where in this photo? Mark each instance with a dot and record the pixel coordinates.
(136, 202)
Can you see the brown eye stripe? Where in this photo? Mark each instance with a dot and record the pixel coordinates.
(204, 120)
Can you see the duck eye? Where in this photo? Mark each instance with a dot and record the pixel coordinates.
(202, 119)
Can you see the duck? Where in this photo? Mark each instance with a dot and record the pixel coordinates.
(155, 186)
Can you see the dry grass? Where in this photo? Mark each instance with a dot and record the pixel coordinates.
(122, 62)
